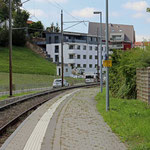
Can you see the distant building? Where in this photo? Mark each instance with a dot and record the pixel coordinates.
(80, 50)
(141, 44)
(30, 21)
(120, 36)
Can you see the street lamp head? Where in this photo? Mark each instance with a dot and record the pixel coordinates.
(97, 12)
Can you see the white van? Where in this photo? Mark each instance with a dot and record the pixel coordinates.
(90, 78)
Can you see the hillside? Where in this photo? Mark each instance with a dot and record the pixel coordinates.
(25, 61)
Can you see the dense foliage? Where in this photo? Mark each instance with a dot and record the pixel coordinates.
(20, 18)
(19, 22)
(53, 28)
(35, 29)
(123, 71)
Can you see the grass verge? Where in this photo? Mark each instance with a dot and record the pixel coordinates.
(16, 95)
(129, 119)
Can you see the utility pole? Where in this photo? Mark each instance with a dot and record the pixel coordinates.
(10, 47)
(62, 58)
(107, 54)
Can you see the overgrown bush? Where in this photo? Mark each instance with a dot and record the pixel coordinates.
(123, 71)
(4, 36)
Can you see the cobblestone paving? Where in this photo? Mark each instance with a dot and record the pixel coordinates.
(83, 127)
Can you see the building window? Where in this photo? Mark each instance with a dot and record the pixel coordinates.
(56, 39)
(56, 49)
(84, 56)
(78, 46)
(71, 46)
(71, 56)
(56, 58)
(84, 47)
(50, 40)
(91, 39)
(95, 65)
(78, 65)
(90, 65)
(84, 65)
(96, 48)
(90, 47)
(90, 57)
(66, 69)
(96, 57)
(95, 39)
(78, 56)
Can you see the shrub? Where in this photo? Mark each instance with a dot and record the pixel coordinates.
(123, 71)
(4, 38)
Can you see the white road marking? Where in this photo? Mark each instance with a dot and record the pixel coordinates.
(35, 140)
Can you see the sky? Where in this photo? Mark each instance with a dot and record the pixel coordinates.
(129, 12)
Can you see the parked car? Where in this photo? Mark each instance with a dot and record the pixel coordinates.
(58, 83)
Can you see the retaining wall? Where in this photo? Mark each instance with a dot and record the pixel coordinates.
(36, 49)
(143, 84)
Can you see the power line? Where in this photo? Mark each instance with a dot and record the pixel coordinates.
(58, 6)
(30, 14)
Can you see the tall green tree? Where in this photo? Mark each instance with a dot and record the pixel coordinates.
(4, 8)
(36, 28)
(20, 22)
(53, 28)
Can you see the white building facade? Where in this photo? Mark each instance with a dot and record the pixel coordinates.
(80, 51)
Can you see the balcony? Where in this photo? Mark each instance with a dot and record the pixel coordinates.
(116, 46)
(117, 37)
(75, 41)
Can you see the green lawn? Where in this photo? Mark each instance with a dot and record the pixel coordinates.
(25, 81)
(129, 119)
(25, 61)
(29, 70)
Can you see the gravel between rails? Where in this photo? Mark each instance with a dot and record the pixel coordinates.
(10, 113)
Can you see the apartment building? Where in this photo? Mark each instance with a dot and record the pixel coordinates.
(120, 36)
(80, 51)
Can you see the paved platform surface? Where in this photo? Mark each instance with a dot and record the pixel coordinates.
(67, 122)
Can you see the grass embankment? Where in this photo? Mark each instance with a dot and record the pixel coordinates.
(25, 61)
(130, 119)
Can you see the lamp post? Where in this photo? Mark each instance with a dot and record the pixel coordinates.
(101, 69)
(62, 57)
(107, 53)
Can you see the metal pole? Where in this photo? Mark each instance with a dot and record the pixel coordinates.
(62, 59)
(10, 47)
(107, 53)
(97, 56)
(101, 68)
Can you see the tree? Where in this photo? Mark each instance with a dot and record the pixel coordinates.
(3, 36)
(36, 28)
(53, 28)
(4, 8)
(20, 18)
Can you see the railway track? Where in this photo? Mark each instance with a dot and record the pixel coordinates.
(11, 113)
